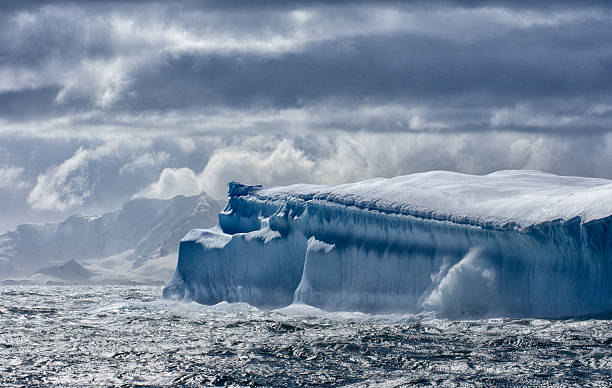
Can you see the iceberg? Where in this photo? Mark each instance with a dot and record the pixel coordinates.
(510, 243)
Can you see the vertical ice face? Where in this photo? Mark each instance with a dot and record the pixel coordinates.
(509, 243)
(259, 267)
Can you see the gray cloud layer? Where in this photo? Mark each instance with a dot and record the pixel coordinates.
(100, 101)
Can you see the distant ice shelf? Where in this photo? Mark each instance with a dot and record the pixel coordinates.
(511, 243)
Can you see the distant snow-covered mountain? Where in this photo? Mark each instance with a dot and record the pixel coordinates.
(113, 246)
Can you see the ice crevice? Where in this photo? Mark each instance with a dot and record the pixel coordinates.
(511, 243)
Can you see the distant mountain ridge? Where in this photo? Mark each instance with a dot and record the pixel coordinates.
(72, 271)
(150, 227)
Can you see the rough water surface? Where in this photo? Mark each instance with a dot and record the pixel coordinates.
(128, 335)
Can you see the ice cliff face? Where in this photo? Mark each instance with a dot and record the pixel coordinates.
(518, 243)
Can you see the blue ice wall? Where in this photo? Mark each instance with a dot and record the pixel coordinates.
(274, 251)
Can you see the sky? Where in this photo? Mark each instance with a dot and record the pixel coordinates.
(104, 101)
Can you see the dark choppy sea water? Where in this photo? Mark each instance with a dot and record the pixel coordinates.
(127, 335)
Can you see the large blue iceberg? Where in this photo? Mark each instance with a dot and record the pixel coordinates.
(511, 243)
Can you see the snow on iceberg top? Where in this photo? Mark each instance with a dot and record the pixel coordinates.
(504, 198)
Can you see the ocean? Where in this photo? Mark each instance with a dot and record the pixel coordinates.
(128, 335)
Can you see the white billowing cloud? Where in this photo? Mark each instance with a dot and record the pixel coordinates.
(186, 144)
(148, 159)
(100, 80)
(63, 186)
(332, 158)
(284, 164)
(172, 182)
(70, 183)
(10, 178)
(341, 158)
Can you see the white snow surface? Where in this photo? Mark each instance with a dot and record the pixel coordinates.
(519, 196)
(511, 243)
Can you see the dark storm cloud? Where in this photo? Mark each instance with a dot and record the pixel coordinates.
(540, 64)
(29, 103)
(11, 5)
(379, 68)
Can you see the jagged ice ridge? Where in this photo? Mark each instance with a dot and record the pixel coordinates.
(511, 243)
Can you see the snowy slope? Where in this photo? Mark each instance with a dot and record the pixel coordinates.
(510, 196)
(142, 230)
(520, 243)
(72, 271)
